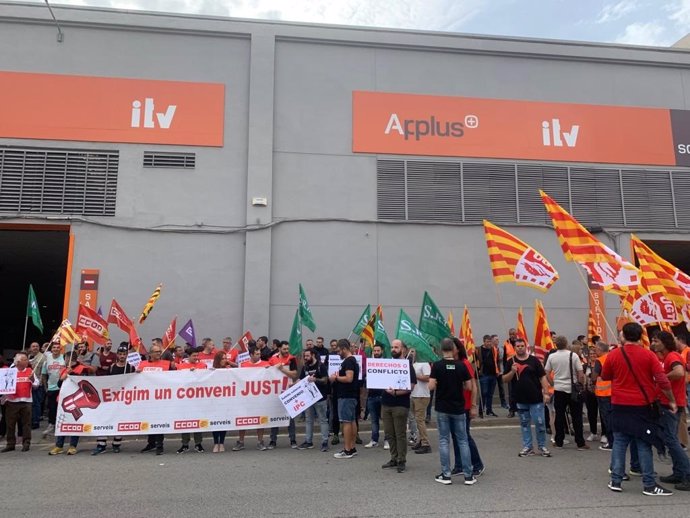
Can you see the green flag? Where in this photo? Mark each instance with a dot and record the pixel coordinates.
(431, 320)
(296, 336)
(32, 309)
(381, 338)
(305, 310)
(362, 322)
(414, 339)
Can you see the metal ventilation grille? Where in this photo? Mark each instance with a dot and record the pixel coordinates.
(58, 181)
(170, 160)
(504, 192)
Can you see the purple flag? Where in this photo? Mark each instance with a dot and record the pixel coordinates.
(187, 333)
(100, 311)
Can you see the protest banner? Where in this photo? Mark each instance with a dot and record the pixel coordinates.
(334, 362)
(172, 402)
(8, 380)
(299, 397)
(384, 373)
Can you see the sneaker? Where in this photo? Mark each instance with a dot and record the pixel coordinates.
(683, 486)
(343, 454)
(199, 448)
(159, 450)
(604, 439)
(605, 447)
(353, 451)
(183, 449)
(635, 473)
(544, 452)
(239, 446)
(98, 450)
(271, 445)
(583, 447)
(423, 449)
(335, 440)
(390, 464)
(671, 479)
(412, 440)
(566, 441)
(56, 451)
(492, 414)
(443, 479)
(259, 446)
(116, 449)
(613, 486)
(293, 445)
(470, 481)
(386, 446)
(416, 446)
(478, 472)
(626, 477)
(148, 447)
(6, 449)
(592, 437)
(455, 472)
(324, 446)
(402, 467)
(526, 452)
(656, 491)
(48, 431)
(71, 450)
(305, 446)
(371, 444)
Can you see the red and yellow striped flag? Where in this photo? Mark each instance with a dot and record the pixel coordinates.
(466, 334)
(370, 329)
(513, 260)
(149, 305)
(543, 342)
(521, 330)
(591, 327)
(449, 322)
(645, 338)
(606, 268)
(66, 335)
(658, 275)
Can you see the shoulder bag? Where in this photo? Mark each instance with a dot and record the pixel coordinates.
(577, 389)
(654, 407)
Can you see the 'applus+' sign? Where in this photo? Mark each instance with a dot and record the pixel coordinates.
(409, 124)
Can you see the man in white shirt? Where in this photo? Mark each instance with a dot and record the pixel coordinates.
(562, 363)
(420, 397)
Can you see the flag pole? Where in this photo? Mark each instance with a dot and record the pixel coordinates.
(26, 325)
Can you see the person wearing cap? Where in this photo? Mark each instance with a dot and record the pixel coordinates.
(119, 367)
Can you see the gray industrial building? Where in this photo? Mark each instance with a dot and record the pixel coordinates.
(232, 228)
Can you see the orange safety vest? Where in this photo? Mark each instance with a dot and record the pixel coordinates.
(508, 350)
(552, 389)
(684, 355)
(602, 388)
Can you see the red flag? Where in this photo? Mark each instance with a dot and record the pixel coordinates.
(117, 316)
(136, 341)
(169, 336)
(92, 324)
(243, 342)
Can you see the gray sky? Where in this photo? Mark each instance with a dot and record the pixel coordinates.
(640, 22)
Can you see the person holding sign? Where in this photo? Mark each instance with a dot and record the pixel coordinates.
(347, 380)
(254, 361)
(18, 405)
(155, 364)
(395, 409)
(317, 373)
(287, 364)
(450, 378)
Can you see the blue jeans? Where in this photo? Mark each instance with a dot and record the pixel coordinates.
(37, 396)
(60, 441)
(451, 424)
(669, 433)
(318, 409)
(644, 452)
(532, 413)
(374, 409)
(487, 385)
(477, 464)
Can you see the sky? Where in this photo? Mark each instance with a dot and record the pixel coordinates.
(636, 22)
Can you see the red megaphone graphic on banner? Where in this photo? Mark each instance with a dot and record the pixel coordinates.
(86, 396)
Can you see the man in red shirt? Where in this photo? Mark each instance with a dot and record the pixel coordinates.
(287, 364)
(192, 363)
(155, 364)
(18, 405)
(636, 375)
(208, 352)
(106, 358)
(664, 344)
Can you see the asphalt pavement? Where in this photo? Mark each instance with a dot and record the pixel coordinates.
(287, 482)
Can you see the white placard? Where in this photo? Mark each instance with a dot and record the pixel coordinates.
(242, 358)
(385, 373)
(300, 396)
(8, 380)
(134, 359)
(334, 362)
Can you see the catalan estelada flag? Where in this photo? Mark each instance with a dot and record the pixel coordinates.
(606, 268)
(512, 260)
(149, 305)
(543, 342)
(658, 275)
(466, 334)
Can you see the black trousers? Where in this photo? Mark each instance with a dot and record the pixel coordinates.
(561, 403)
(593, 412)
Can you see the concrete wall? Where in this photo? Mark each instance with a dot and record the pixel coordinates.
(288, 136)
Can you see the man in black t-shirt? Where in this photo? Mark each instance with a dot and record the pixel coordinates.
(317, 373)
(347, 389)
(449, 378)
(530, 390)
(395, 409)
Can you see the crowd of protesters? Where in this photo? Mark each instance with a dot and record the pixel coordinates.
(633, 397)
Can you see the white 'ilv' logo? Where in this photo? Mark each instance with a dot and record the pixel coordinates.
(570, 137)
(164, 118)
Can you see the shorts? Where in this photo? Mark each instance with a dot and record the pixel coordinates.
(346, 410)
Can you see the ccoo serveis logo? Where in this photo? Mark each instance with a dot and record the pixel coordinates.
(429, 127)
